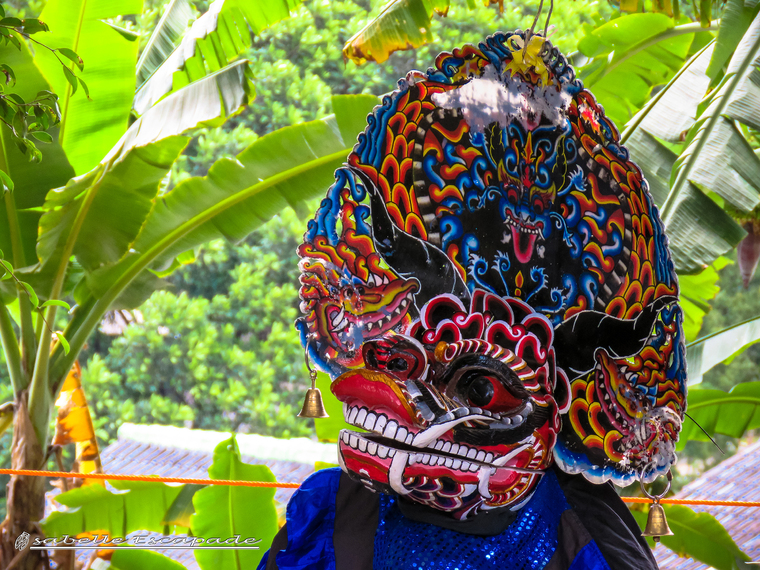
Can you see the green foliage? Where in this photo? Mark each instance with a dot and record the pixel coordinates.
(723, 346)
(733, 304)
(699, 536)
(704, 128)
(223, 511)
(134, 505)
(728, 413)
(631, 55)
(231, 362)
(90, 125)
(697, 291)
(328, 429)
(31, 118)
(403, 24)
(127, 559)
(220, 511)
(211, 43)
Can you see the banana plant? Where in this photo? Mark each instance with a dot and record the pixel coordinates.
(93, 228)
(694, 147)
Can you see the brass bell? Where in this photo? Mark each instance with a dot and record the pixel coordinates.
(657, 524)
(312, 403)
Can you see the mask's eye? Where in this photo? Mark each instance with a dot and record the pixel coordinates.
(398, 365)
(482, 390)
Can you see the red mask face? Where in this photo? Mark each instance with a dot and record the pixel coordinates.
(460, 412)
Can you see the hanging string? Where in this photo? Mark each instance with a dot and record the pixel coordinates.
(279, 485)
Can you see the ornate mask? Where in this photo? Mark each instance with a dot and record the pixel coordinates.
(489, 285)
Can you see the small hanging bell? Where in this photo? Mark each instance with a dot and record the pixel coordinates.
(312, 403)
(657, 524)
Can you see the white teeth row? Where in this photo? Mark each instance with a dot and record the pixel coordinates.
(458, 464)
(381, 451)
(463, 450)
(522, 228)
(363, 445)
(379, 423)
(389, 318)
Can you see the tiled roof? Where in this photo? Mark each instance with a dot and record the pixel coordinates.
(735, 479)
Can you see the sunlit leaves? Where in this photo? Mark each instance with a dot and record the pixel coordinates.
(699, 536)
(631, 55)
(93, 122)
(213, 41)
(721, 346)
(402, 24)
(30, 120)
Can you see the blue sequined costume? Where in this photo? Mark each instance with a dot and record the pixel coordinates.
(530, 542)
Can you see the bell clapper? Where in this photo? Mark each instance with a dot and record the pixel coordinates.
(657, 523)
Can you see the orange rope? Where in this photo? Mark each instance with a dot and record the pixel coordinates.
(156, 479)
(694, 502)
(153, 478)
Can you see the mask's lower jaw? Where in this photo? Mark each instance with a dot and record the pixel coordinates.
(461, 481)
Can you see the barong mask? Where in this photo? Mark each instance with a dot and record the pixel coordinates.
(489, 286)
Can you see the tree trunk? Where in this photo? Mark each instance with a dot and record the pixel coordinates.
(26, 496)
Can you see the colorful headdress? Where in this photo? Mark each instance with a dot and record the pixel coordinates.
(489, 211)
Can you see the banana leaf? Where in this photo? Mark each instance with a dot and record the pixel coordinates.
(165, 37)
(696, 293)
(224, 511)
(737, 17)
(400, 25)
(214, 40)
(729, 413)
(699, 536)
(673, 111)
(32, 181)
(719, 161)
(283, 168)
(92, 124)
(133, 505)
(721, 347)
(109, 205)
(630, 55)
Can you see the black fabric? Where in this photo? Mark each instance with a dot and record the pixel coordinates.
(485, 523)
(572, 537)
(280, 542)
(609, 522)
(356, 513)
